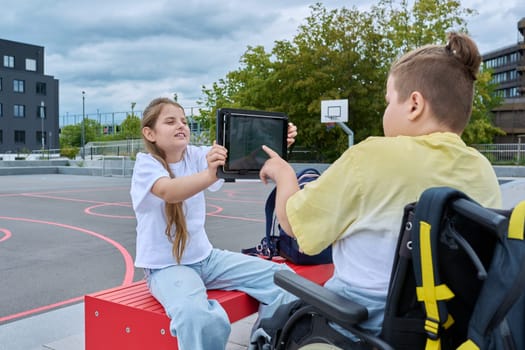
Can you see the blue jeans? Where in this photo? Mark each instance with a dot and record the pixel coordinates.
(374, 302)
(202, 324)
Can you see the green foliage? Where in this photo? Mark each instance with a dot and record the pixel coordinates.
(71, 135)
(69, 152)
(130, 127)
(340, 54)
(481, 129)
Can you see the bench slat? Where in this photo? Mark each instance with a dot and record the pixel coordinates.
(129, 317)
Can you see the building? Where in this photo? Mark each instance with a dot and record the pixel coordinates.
(508, 65)
(28, 100)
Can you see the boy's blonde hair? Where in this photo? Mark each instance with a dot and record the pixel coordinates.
(444, 75)
(174, 211)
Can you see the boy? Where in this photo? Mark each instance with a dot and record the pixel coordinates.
(357, 203)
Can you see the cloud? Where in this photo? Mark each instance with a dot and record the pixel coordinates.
(120, 52)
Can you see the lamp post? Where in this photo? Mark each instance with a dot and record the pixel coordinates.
(83, 130)
(42, 116)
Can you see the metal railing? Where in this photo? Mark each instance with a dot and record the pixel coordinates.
(503, 153)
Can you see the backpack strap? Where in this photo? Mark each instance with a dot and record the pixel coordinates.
(304, 176)
(425, 237)
(267, 247)
(269, 242)
(269, 208)
(517, 222)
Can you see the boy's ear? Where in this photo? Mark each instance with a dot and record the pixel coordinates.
(148, 134)
(416, 103)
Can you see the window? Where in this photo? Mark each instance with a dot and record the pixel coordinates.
(1, 136)
(19, 111)
(1, 110)
(41, 88)
(0, 84)
(9, 61)
(18, 85)
(31, 64)
(20, 136)
(39, 135)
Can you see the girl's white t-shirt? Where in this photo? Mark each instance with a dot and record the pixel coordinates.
(154, 250)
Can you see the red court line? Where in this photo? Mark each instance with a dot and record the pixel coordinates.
(89, 211)
(65, 191)
(128, 276)
(220, 209)
(237, 218)
(40, 309)
(234, 200)
(7, 234)
(94, 189)
(60, 198)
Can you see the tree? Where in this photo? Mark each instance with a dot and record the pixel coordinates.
(340, 54)
(71, 135)
(130, 127)
(480, 128)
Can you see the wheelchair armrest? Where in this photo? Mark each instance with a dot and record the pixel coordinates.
(330, 304)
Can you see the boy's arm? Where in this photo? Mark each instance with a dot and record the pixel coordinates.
(280, 172)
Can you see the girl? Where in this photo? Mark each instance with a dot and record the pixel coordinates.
(172, 245)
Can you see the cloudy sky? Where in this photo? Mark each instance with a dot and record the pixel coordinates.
(120, 52)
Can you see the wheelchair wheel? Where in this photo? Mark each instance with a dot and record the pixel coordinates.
(319, 346)
(308, 330)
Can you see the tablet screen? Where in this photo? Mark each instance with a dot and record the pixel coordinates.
(243, 134)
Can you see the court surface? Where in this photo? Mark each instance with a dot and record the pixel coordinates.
(64, 236)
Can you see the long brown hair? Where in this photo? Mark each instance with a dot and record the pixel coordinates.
(444, 75)
(174, 211)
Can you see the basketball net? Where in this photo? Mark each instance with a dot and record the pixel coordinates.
(330, 126)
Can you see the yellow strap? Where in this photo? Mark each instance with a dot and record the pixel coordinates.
(429, 293)
(468, 345)
(449, 322)
(433, 344)
(427, 272)
(517, 221)
(441, 292)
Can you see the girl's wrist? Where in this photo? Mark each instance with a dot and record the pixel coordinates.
(212, 174)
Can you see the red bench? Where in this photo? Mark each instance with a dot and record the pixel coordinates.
(130, 318)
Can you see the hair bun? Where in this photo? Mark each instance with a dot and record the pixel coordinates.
(463, 48)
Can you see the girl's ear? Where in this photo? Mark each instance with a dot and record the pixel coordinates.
(148, 134)
(417, 104)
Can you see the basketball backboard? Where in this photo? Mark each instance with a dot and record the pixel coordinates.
(334, 111)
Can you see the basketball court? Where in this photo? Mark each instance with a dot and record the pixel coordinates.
(64, 236)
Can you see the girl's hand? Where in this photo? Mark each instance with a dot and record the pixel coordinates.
(216, 157)
(292, 133)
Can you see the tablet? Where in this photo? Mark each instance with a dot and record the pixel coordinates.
(243, 132)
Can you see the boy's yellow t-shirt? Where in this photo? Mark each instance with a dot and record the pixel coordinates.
(357, 204)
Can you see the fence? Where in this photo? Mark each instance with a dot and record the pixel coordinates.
(504, 153)
(129, 147)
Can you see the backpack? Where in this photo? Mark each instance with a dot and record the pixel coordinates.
(462, 276)
(277, 243)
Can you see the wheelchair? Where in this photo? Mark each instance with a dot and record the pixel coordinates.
(464, 248)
